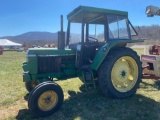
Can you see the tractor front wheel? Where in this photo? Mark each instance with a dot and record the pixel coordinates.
(45, 99)
(120, 74)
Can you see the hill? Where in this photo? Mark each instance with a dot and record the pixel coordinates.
(37, 38)
(150, 33)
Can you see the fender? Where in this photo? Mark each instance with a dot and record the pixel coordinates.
(104, 50)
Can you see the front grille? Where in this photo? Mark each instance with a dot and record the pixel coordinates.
(49, 64)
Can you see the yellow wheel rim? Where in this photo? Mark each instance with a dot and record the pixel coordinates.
(47, 100)
(124, 74)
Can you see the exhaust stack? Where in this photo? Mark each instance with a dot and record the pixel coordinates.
(61, 36)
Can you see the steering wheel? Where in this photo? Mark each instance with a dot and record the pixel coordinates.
(92, 39)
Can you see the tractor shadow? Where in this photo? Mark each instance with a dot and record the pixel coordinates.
(92, 105)
(25, 114)
(156, 84)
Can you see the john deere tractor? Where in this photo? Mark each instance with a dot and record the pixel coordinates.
(94, 50)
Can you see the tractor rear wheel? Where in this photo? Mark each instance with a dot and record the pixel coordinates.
(121, 72)
(31, 84)
(45, 99)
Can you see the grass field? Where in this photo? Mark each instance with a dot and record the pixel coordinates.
(78, 104)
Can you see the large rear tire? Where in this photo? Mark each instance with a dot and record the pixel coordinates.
(121, 73)
(45, 99)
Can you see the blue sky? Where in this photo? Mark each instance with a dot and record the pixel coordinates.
(20, 16)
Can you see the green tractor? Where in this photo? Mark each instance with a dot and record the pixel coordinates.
(94, 50)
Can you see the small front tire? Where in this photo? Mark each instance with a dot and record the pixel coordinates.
(45, 99)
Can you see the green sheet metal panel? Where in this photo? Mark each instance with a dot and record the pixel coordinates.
(104, 50)
(33, 53)
(49, 51)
